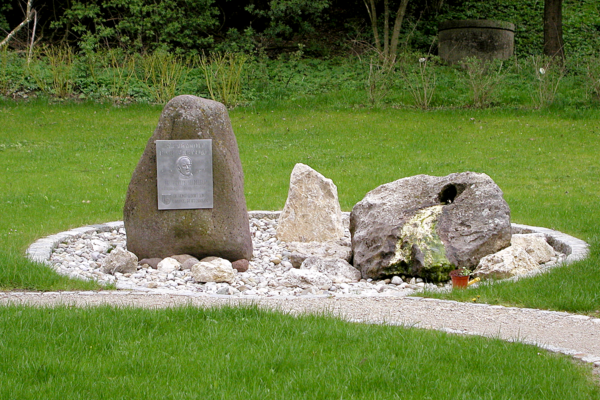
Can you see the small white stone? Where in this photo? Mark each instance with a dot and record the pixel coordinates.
(168, 265)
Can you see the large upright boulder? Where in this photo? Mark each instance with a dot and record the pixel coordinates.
(221, 231)
(312, 210)
(426, 226)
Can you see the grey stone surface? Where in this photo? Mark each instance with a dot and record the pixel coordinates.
(506, 263)
(465, 216)
(301, 251)
(575, 249)
(221, 231)
(213, 269)
(535, 245)
(153, 262)
(188, 263)
(305, 278)
(338, 270)
(476, 38)
(120, 260)
(241, 265)
(312, 210)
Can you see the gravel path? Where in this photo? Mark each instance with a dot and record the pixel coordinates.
(575, 335)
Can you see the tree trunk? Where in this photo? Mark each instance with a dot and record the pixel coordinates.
(386, 28)
(373, 17)
(553, 35)
(397, 26)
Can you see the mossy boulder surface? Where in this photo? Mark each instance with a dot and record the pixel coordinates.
(420, 251)
(425, 226)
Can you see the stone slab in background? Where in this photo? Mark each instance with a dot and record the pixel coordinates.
(305, 278)
(221, 231)
(301, 251)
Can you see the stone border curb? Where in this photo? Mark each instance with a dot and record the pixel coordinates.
(41, 249)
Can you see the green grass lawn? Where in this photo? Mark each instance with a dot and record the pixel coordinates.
(244, 353)
(68, 165)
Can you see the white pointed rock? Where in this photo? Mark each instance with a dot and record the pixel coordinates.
(312, 210)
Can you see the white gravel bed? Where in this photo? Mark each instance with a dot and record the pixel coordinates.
(79, 253)
(81, 256)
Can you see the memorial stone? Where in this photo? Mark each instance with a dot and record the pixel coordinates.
(208, 221)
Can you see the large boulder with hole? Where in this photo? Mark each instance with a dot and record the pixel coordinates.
(425, 226)
(312, 210)
(222, 230)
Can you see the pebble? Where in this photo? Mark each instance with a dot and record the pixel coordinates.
(82, 257)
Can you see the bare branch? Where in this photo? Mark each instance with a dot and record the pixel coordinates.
(28, 16)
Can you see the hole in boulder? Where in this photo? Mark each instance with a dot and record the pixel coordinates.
(450, 192)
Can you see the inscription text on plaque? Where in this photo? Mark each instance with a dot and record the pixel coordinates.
(184, 174)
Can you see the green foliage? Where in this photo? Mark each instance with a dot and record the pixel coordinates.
(4, 7)
(286, 17)
(224, 74)
(121, 77)
(418, 74)
(141, 24)
(593, 76)
(482, 77)
(380, 76)
(162, 74)
(581, 27)
(548, 73)
(11, 72)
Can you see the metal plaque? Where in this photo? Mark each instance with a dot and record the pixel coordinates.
(184, 174)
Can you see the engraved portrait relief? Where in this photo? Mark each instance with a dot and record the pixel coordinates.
(184, 166)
